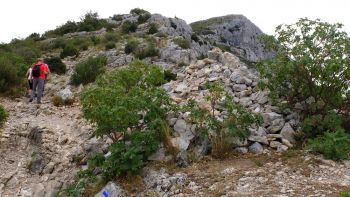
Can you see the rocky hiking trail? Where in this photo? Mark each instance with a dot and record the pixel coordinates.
(39, 145)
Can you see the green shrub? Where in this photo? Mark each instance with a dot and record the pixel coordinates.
(95, 40)
(81, 43)
(112, 36)
(3, 116)
(126, 103)
(220, 132)
(59, 43)
(86, 71)
(138, 11)
(91, 22)
(35, 37)
(181, 42)
(69, 50)
(143, 17)
(305, 70)
(128, 27)
(28, 49)
(110, 45)
(150, 51)
(333, 145)
(117, 17)
(131, 45)
(12, 72)
(152, 28)
(168, 75)
(345, 194)
(56, 65)
(135, 136)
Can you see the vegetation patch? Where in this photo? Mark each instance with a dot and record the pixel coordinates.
(87, 71)
(181, 42)
(56, 65)
(3, 116)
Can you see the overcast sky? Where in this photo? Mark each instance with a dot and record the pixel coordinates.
(19, 18)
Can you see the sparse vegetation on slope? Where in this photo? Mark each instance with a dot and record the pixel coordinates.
(87, 71)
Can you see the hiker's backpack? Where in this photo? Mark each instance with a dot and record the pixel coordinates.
(36, 71)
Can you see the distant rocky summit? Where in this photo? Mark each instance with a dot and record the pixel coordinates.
(236, 33)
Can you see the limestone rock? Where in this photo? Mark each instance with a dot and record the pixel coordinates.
(256, 148)
(288, 133)
(66, 94)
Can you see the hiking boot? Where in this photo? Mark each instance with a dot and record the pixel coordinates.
(30, 100)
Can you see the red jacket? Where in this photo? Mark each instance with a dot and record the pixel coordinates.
(43, 69)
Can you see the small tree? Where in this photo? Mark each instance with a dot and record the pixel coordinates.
(135, 94)
(311, 69)
(220, 131)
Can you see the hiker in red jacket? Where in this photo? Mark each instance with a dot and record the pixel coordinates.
(38, 74)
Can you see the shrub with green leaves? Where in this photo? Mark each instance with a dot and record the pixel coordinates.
(56, 65)
(181, 42)
(131, 45)
(153, 28)
(168, 75)
(150, 51)
(110, 45)
(87, 71)
(3, 116)
(91, 22)
(134, 89)
(69, 50)
(333, 145)
(134, 118)
(112, 36)
(128, 27)
(311, 68)
(220, 132)
(12, 72)
(345, 194)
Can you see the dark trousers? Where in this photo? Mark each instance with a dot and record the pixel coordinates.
(38, 85)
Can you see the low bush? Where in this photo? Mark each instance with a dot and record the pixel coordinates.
(152, 28)
(110, 45)
(131, 46)
(333, 145)
(91, 22)
(345, 194)
(69, 50)
(181, 42)
(128, 27)
(150, 51)
(95, 40)
(143, 18)
(86, 71)
(112, 36)
(168, 75)
(220, 132)
(56, 65)
(117, 17)
(12, 72)
(3, 116)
